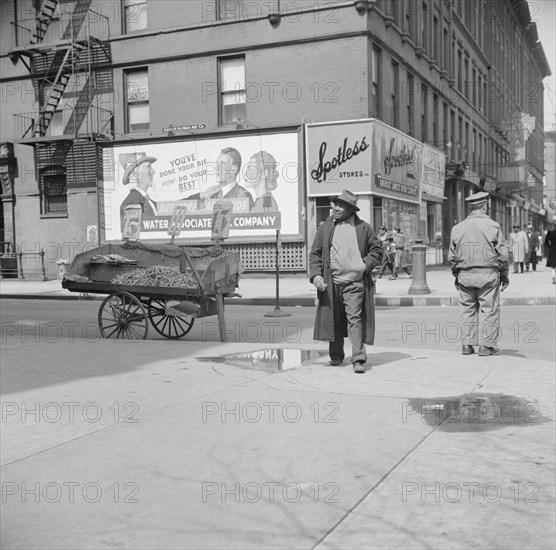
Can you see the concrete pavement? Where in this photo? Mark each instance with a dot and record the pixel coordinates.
(157, 444)
(530, 288)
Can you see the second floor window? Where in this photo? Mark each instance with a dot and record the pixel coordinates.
(233, 101)
(135, 15)
(137, 101)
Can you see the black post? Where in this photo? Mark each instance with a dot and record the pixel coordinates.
(277, 312)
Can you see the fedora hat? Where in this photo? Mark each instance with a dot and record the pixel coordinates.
(348, 198)
(134, 165)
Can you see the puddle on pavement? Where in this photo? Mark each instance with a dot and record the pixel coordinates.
(478, 412)
(270, 359)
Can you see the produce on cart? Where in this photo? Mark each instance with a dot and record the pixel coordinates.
(168, 284)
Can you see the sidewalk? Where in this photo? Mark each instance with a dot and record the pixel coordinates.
(207, 445)
(529, 288)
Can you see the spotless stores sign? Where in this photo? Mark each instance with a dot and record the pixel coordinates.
(338, 157)
(364, 156)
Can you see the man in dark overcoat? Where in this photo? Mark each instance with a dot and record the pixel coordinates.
(344, 253)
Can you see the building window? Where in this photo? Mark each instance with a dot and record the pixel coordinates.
(424, 114)
(410, 104)
(424, 32)
(135, 15)
(375, 60)
(435, 39)
(435, 115)
(446, 60)
(56, 125)
(394, 94)
(53, 191)
(460, 71)
(137, 101)
(233, 105)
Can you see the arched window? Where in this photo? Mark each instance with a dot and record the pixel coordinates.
(54, 191)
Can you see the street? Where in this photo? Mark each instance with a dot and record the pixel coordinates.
(258, 443)
(527, 331)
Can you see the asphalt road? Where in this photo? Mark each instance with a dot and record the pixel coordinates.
(526, 331)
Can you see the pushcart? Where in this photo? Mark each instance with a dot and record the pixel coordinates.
(129, 309)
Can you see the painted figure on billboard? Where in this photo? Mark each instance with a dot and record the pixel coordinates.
(228, 166)
(139, 174)
(261, 175)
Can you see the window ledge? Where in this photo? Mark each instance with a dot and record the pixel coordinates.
(57, 215)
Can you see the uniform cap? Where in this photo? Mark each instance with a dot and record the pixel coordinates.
(477, 198)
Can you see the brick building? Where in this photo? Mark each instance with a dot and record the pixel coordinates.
(90, 88)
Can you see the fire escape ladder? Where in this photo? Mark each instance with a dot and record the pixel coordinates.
(62, 64)
(44, 18)
(82, 106)
(78, 17)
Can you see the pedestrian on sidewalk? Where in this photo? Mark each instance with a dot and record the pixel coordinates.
(532, 245)
(479, 259)
(399, 243)
(344, 252)
(388, 256)
(519, 247)
(550, 243)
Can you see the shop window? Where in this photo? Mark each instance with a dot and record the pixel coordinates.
(135, 15)
(137, 101)
(323, 209)
(431, 223)
(54, 192)
(233, 102)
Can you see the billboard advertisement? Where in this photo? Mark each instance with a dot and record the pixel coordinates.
(434, 172)
(368, 157)
(338, 156)
(396, 164)
(153, 191)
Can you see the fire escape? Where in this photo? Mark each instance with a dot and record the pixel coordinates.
(67, 52)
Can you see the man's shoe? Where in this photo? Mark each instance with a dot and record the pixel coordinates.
(467, 350)
(393, 278)
(485, 351)
(336, 362)
(359, 367)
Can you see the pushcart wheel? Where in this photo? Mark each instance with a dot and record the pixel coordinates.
(172, 326)
(122, 315)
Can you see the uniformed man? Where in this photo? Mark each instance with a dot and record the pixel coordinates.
(480, 263)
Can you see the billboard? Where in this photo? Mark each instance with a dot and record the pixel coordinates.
(155, 190)
(366, 157)
(396, 164)
(434, 172)
(338, 157)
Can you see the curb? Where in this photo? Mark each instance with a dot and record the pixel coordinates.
(303, 301)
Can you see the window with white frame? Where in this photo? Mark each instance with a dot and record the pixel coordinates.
(137, 101)
(135, 15)
(233, 101)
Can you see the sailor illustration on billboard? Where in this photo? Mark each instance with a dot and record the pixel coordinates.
(261, 175)
(228, 166)
(139, 174)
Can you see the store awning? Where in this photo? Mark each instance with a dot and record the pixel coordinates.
(432, 198)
